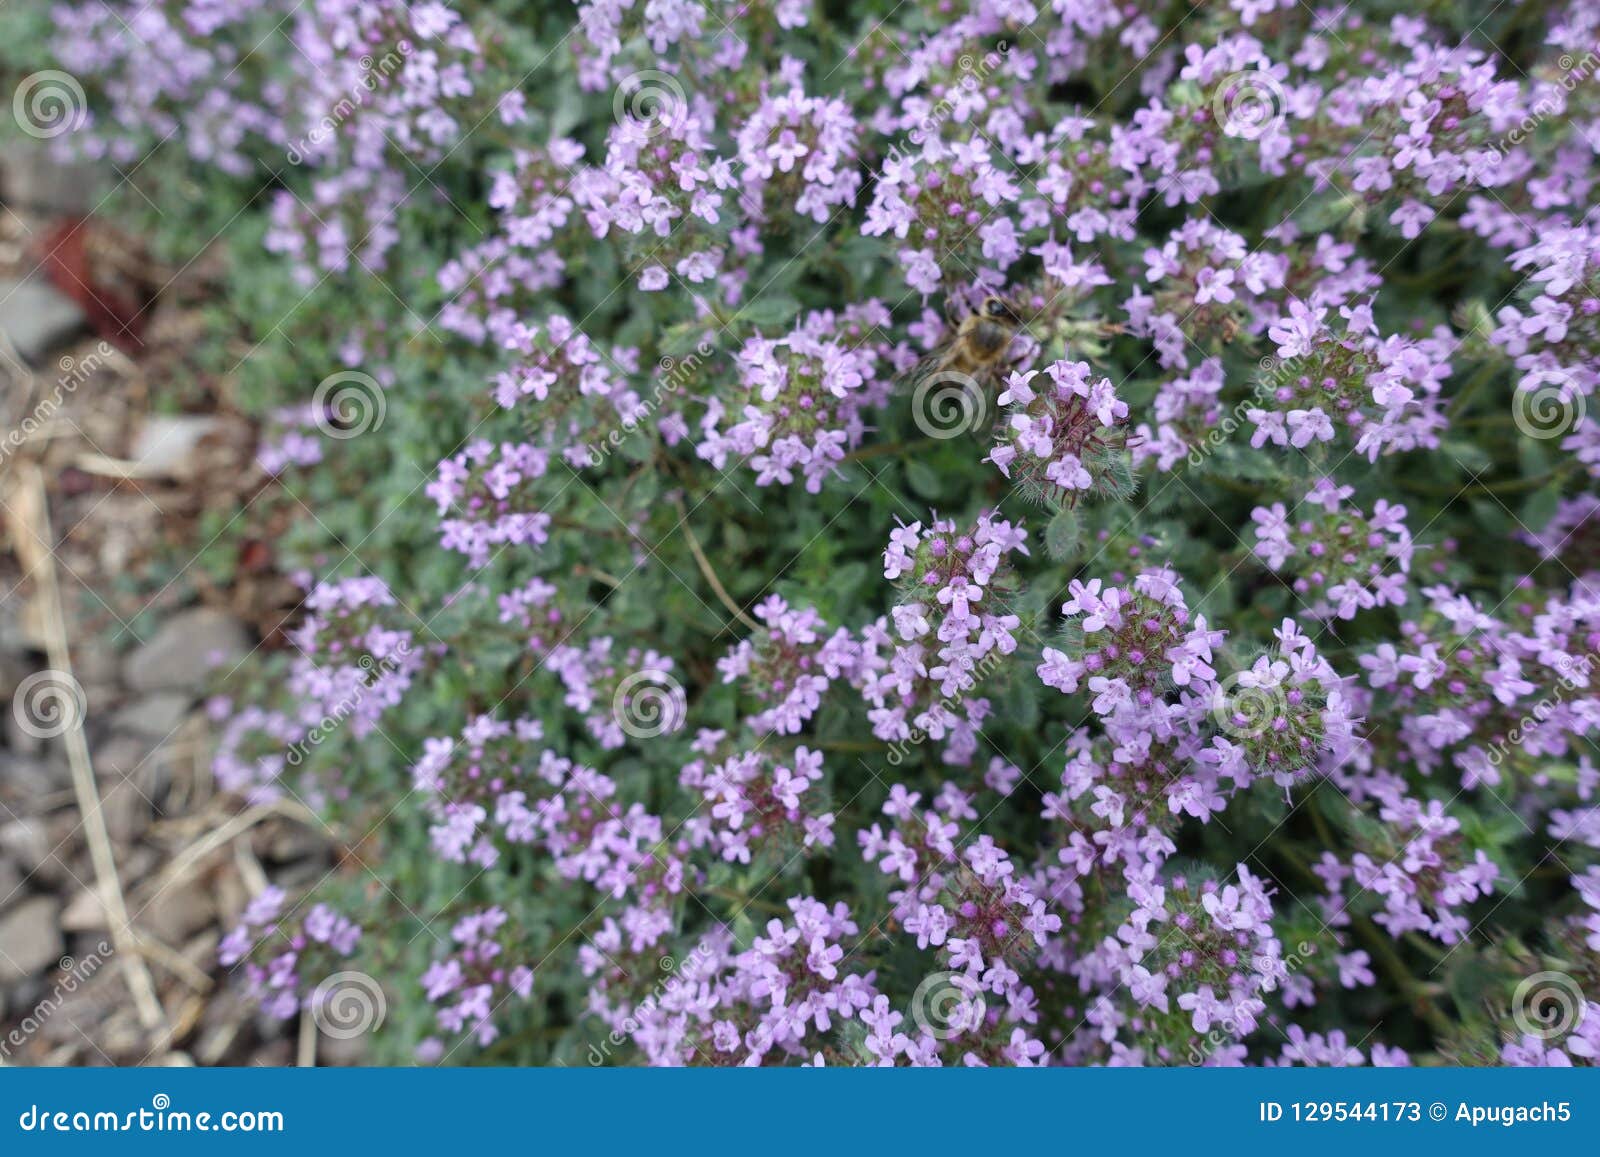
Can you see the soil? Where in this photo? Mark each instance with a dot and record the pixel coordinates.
(119, 457)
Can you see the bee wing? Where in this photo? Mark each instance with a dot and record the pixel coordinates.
(929, 365)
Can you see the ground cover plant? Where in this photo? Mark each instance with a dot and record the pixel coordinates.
(990, 533)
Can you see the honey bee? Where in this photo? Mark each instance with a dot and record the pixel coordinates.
(980, 345)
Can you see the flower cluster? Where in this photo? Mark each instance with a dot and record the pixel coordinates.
(494, 284)
(801, 403)
(1343, 561)
(533, 610)
(757, 800)
(1122, 801)
(1185, 409)
(632, 694)
(566, 388)
(477, 787)
(1257, 259)
(1064, 438)
(488, 499)
(797, 154)
(1129, 646)
(662, 189)
(905, 703)
(1383, 392)
(498, 787)
(353, 662)
(1200, 286)
(1418, 868)
(779, 999)
(939, 204)
(944, 574)
(950, 631)
(1488, 692)
(1282, 717)
(284, 964)
(1195, 960)
(472, 983)
(788, 664)
(968, 902)
(1553, 338)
